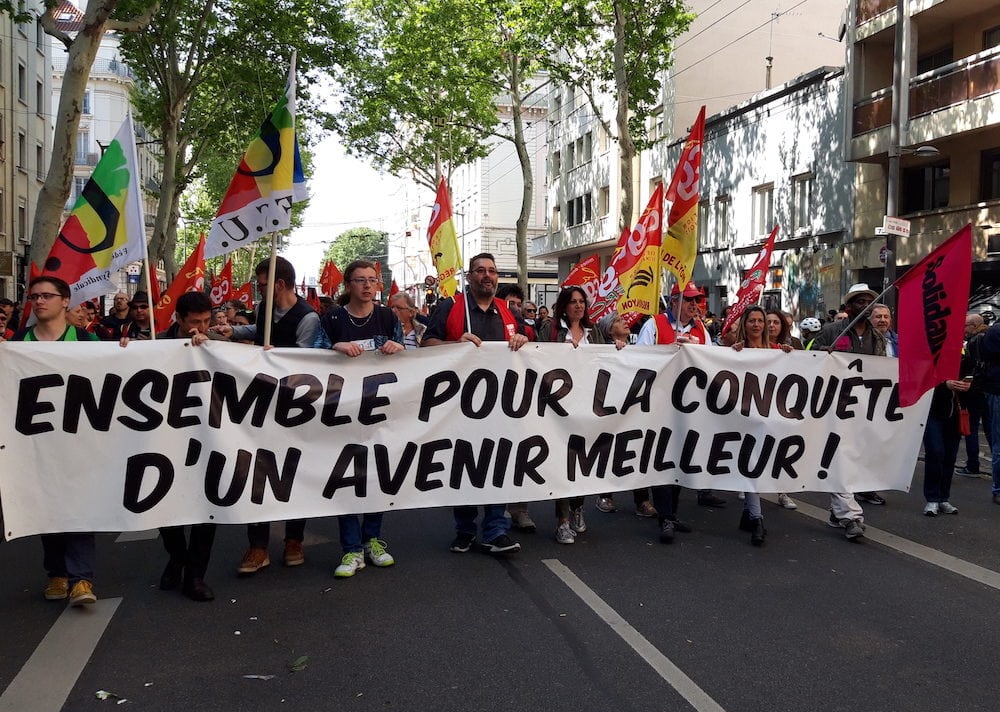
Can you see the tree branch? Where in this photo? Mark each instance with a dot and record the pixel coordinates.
(134, 24)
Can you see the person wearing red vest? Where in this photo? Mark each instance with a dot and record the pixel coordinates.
(478, 316)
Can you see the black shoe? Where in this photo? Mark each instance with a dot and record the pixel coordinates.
(679, 526)
(869, 498)
(667, 532)
(463, 542)
(966, 472)
(996, 499)
(503, 544)
(172, 576)
(746, 523)
(198, 590)
(710, 500)
(758, 532)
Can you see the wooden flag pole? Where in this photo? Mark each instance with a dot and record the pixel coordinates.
(269, 296)
(149, 292)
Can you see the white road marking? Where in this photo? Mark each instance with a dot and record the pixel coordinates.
(47, 679)
(137, 536)
(976, 573)
(672, 674)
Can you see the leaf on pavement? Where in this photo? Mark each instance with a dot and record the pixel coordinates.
(300, 664)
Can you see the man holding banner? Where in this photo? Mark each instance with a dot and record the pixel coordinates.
(477, 316)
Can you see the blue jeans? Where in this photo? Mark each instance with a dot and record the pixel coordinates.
(992, 417)
(941, 441)
(494, 521)
(354, 532)
(72, 556)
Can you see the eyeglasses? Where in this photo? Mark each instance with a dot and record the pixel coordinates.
(364, 281)
(692, 299)
(142, 306)
(42, 296)
(482, 271)
(529, 311)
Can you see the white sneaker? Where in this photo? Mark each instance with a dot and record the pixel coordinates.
(352, 562)
(947, 508)
(931, 509)
(741, 496)
(785, 501)
(377, 554)
(564, 534)
(576, 522)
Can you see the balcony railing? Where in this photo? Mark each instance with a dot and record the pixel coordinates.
(867, 9)
(100, 68)
(965, 80)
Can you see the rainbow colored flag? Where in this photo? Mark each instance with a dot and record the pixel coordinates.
(268, 181)
(680, 244)
(444, 243)
(105, 230)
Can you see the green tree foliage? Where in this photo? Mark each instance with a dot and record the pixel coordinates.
(359, 243)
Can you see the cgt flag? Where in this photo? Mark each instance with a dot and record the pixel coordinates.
(222, 285)
(105, 229)
(637, 260)
(587, 275)
(191, 278)
(244, 295)
(680, 244)
(267, 182)
(933, 300)
(444, 243)
(753, 282)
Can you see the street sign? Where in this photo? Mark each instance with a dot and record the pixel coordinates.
(896, 226)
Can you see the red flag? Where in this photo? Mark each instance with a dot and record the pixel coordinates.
(378, 276)
(333, 278)
(244, 295)
(154, 285)
(933, 300)
(753, 282)
(394, 288)
(222, 285)
(324, 276)
(680, 244)
(313, 299)
(33, 272)
(191, 278)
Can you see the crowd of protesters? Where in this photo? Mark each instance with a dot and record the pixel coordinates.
(490, 311)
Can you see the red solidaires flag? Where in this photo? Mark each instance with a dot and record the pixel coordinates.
(191, 278)
(933, 300)
(222, 285)
(244, 295)
(753, 282)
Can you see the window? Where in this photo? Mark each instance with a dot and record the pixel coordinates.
(703, 213)
(3, 215)
(39, 36)
(22, 151)
(40, 107)
(579, 210)
(603, 201)
(570, 153)
(86, 102)
(763, 210)
(935, 60)
(991, 37)
(802, 187)
(556, 223)
(925, 187)
(602, 139)
(39, 162)
(556, 107)
(989, 174)
(721, 234)
(22, 221)
(22, 83)
(82, 147)
(556, 163)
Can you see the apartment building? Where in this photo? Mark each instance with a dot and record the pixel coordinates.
(950, 66)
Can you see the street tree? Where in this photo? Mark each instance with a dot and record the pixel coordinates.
(359, 243)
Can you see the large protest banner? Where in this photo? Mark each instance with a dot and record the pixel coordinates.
(162, 433)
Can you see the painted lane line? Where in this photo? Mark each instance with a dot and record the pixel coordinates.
(137, 536)
(50, 674)
(971, 571)
(672, 674)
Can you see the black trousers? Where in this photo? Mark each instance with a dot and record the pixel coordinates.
(194, 552)
(260, 534)
(665, 498)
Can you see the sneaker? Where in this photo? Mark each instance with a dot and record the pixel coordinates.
(666, 532)
(576, 521)
(293, 553)
(565, 533)
(710, 500)
(377, 555)
(931, 509)
(855, 528)
(966, 472)
(785, 501)
(352, 562)
(503, 544)
(679, 526)
(522, 521)
(253, 561)
(463, 542)
(869, 497)
(741, 496)
(606, 505)
(82, 594)
(58, 589)
(947, 508)
(646, 509)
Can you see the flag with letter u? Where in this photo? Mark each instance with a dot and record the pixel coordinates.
(444, 243)
(680, 244)
(933, 300)
(267, 182)
(105, 230)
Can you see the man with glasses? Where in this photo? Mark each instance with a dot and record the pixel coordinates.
(114, 325)
(488, 319)
(70, 559)
(294, 324)
(140, 324)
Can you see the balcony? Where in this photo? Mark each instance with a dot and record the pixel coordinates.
(102, 68)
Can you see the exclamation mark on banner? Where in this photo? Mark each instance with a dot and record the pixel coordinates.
(832, 441)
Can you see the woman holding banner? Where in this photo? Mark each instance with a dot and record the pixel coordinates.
(357, 326)
(752, 333)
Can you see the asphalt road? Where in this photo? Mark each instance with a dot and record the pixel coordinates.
(808, 622)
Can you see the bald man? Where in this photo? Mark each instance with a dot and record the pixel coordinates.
(975, 398)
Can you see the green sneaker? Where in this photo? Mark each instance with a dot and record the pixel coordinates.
(352, 562)
(375, 553)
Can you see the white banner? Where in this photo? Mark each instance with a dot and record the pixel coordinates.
(100, 438)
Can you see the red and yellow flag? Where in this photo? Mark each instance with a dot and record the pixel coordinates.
(637, 260)
(680, 244)
(191, 278)
(444, 243)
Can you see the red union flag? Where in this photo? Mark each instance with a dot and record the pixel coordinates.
(244, 295)
(753, 282)
(444, 243)
(933, 300)
(191, 278)
(587, 275)
(680, 244)
(222, 285)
